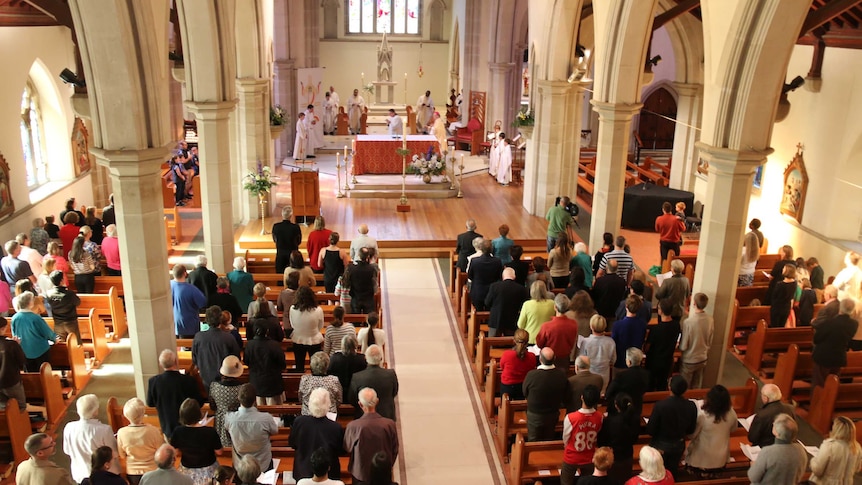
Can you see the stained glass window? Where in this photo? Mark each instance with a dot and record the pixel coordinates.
(379, 16)
(31, 138)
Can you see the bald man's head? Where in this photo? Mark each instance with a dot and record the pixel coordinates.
(363, 229)
(509, 273)
(546, 356)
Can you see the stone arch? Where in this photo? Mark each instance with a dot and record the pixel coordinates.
(560, 40)
(455, 57)
(436, 9)
(622, 32)
(654, 129)
(251, 60)
(209, 39)
(330, 18)
(747, 52)
(686, 35)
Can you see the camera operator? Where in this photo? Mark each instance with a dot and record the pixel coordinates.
(560, 219)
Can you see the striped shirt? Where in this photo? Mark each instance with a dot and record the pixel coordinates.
(332, 339)
(625, 263)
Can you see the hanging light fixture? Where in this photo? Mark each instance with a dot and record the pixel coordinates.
(420, 71)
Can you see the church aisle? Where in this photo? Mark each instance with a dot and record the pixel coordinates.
(444, 438)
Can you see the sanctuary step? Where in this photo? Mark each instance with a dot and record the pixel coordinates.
(389, 187)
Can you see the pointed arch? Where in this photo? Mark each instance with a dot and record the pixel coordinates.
(455, 57)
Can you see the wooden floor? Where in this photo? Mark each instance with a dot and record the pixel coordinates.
(430, 221)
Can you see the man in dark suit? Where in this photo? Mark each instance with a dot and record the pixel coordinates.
(545, 389)
(830, 309)
(464, 248)
(287, 237)
(203, 278)
(632, 381)
(384, 381)
(504, 300)
(608, 290)
(672, 419)
(484, 270)
(167, 391)
(760, 431)
(831, 340)
(578, 382)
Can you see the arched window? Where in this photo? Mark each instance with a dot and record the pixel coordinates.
(379, 16)
(32, 138)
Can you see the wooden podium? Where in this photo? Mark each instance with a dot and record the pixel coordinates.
(305, 192)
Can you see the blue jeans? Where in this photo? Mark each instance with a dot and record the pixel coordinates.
(552, 243)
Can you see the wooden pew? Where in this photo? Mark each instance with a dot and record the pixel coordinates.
(15, 426)
(492, 388)
(743, 320)
(834, 399)
(104, 284)
(474, 329)
(484, 354)
(175, 222)
(743, 399)
(93, 337)
(794, 370)
(654, 166)
(765, 340)
(744, 294)
(43, 389)
(109, 307)
(766, 261)
(69, 356)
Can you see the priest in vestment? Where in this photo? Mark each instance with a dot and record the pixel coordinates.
(330, 110)
(315, 131)
(335, 98)
(301, 140)
(438, 129)
(504, 170)
(494, 153)
(355, 106)
(424, 112)
(396, 126)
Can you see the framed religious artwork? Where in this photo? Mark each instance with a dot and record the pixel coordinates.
(795, 186)
(80, 147)
(7, 205)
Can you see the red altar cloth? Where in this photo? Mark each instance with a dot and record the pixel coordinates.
(375, 154)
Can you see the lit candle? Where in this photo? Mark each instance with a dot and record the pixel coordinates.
(345, 153)
(337, 159)
(363, 78)
(462, 159)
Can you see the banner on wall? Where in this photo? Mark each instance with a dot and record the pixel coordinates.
(310, 90)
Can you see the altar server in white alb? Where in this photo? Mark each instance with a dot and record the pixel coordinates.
(300, 142)
(330, 110)
(334, 96)
(504, 171)
(494, 154)
(424, 112)
(315, 131)
(396, 125)
(355, 106)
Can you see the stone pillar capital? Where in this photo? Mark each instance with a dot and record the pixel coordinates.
(132, 163)
(501, 66)
(688, 89)
(616, 111)
(251, 84)
(727, 161)
(211, 110)
(553, 88)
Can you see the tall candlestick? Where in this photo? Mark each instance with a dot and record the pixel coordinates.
(363, 79)
(339, 194)
(345, 154)
(405, 89)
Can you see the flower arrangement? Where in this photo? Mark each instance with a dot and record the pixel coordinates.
(524, 118)
(368, 88)
(277, 115)
(430, 164)
(259, 181)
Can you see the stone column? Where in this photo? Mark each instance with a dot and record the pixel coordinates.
(688, 113)
(731, 173)
(284, 93)
(552, 156)
(214, 145)
(253, 138)
(499, 98)
(143, 254)
(615, 129)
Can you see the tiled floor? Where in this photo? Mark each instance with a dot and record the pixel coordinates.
(443, 438)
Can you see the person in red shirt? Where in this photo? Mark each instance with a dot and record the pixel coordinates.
(580, 430)
(69, 232)
(317, 240)
(560, 333)
(514, 364)
(670, 230)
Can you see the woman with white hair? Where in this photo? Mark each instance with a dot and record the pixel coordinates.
(32, 332)
(81, 438)
(39, 236)
(138, 442)
(314, 431)
(583, 260)
(536, 311)
(653, 472)
(241, 283)
(318, 379)
(111, 250)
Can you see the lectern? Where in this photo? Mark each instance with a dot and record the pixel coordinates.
(305, 190)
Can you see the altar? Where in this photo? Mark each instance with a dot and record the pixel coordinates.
(376, 154)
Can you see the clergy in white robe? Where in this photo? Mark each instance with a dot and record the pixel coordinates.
(300, 142)
(355, 105)
(396, 125)
(494, 153)
(438, 129)
(330, 110)
(424, 112)
(504, 170)
(315, 131)
(334, 96)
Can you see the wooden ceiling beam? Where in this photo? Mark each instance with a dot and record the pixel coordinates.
(826, 13)
(54, 8)
(681, 8)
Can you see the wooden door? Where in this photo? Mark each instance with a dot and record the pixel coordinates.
(657, 125)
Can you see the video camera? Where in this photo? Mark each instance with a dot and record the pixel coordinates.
(571, 207)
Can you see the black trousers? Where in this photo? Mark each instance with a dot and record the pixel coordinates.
(665, 246)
